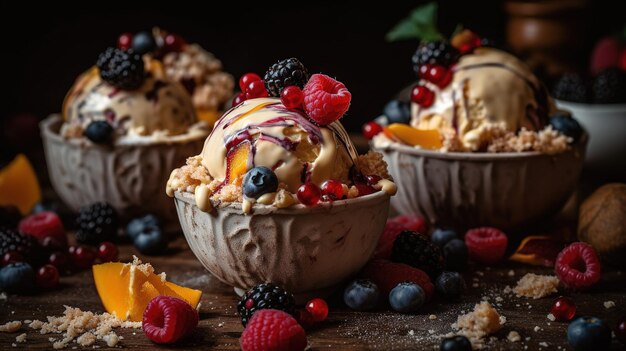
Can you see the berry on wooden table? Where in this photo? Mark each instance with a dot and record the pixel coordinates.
(43, 225)
(563, 309)
(96, 223)
(273, 330)
(361, 295)
(265, 296)
(17, 277)
(417, 251)
(407, 297)
(317, 309)
(588, 333)
(168, 319)
(486, 245)
(578, 266)
(107, 252)
(47, 276)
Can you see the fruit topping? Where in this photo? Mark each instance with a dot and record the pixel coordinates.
(563, 309)
(255, 89)
(386, 275)
(436, 74)
(237, 163)
(292, 97)
(427, 139)
(265, 296)
(422, 96)
(246, 79)
(486, 245)
(124, 41)
(283, 74)
(259, 181)
(466, 41)
(578, 266)
(571, 87)
(143, 43)
(239, 98)
(173, 43)
(107, 252)
(332, 190)
(123, 69)
(567, 125)
(370, 129)
(605, 54)
(417, 251)
(19, 186)
(318, 309)
(126, 289)
(393, 228)
(325, 99)
(96, 223)
(609, 87)
(588, 333)
(434, 52)
(455, 343)
(455, 254)
(168, 319)
(361, 295)
(17, 277)
(406, 297)
(47, 276)
(273, 330)
(99, 132)
(538, 250)
(309, 194)
(450, 285)
(44, 225)
(397, 111)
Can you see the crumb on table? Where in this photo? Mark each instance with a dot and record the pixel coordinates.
(536, 286)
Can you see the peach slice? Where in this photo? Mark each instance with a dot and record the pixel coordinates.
(237, 163)
(209, 116)
(539, 250)
(126, 289)
(19, 186)
(427, 139)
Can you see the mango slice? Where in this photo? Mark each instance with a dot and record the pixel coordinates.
(19, 186)
(237, 163)
(126, 289)
(427, 139)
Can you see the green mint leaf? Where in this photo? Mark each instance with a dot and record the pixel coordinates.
(421, 24)
(403, 31)
(425, 15)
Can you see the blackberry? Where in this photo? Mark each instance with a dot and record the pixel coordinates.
(283, 74)
(417, 251)
(609, 87)
(571, 87)
(265, 296)
(96, 223)
(434, 52)
(26, 245)
(123, 69)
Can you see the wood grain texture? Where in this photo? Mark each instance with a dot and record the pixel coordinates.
(220, 328)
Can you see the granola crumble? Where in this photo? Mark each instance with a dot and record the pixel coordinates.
(536, 286)
(372, 163)
(10, 327)
(478, 324)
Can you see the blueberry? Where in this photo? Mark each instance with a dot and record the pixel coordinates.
(441, 236)
(455, 254)
(450, 284)
(151, 241)
(407, 297)
(361, 295)
(138, 225)
(143, 42)
(259, 181)
(99, 132)
(588, 333)
(455, 343)
(17, 277)
(567, 125)
(397, 112)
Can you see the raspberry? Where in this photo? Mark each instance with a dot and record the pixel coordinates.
(43, 225)
(273, 330)
(168, 319)
(486, 245)
(387, 275)
(393, 228)
(325, 99)
(578, 266)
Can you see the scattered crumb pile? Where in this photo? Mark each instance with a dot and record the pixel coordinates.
(513, 336)
(536, 286)
(82, 327)
(478, 324)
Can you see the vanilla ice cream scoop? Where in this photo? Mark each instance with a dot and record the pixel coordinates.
(160, 106)
(262, 132)
(489, 88)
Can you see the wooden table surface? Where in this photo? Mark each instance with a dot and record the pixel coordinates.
(220, 328)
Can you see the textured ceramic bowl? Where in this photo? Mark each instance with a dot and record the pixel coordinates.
(302, 249)
(129, 177)
(463, 190)
(606, 124)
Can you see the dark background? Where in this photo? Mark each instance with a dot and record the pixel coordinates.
(46, 46)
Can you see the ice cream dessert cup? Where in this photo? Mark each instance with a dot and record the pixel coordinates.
(279, 194)
(482, 142)
(125, 123)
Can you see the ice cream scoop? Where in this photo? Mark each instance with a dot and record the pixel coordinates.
(489, 89)
(263, 132)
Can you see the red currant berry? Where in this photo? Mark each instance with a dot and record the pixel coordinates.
(318, 308)
(107, 252)
(292, 97)
(52, 244)
(11, 257)
(173, 43)
(563, 309)
(370, 129)
(333, 189)
(125, 41)
(422, 95)
(424, 71)
(59, 259)
(71, 249)
(440, 76)
(620, 330)
(47, 276)
(246, 79)
(373, 179)
(256, 89)
(309, 194)
(364, 189)
(83, 257)
(239, 98)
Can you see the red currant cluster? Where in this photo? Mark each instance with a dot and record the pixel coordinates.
(160, 44)
(309, 194)
(252, 86)
(315, 311)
